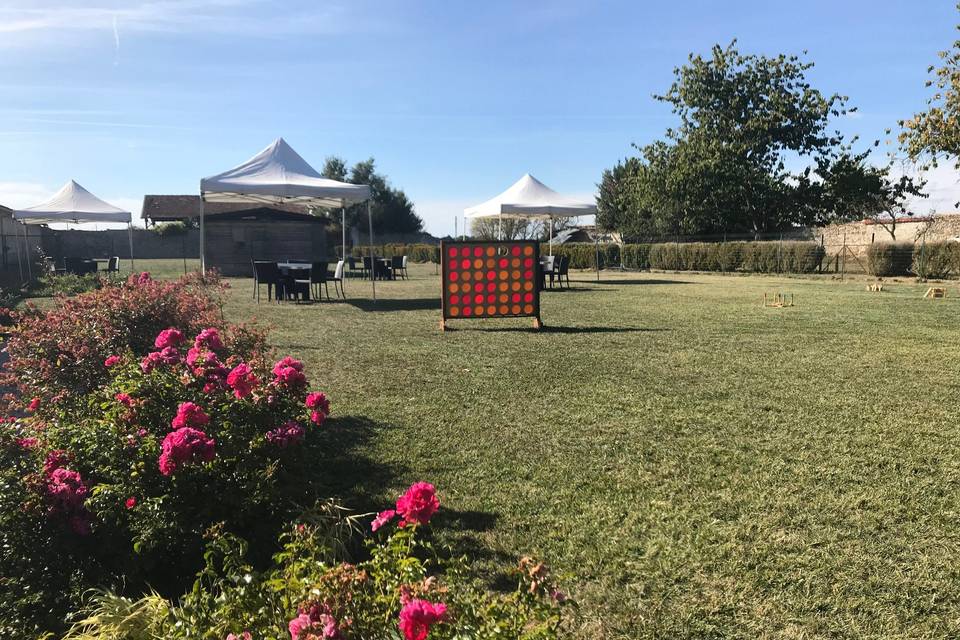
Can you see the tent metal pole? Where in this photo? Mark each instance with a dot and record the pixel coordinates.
(19, 252)
(343, 229)
(551, 235)
(373, 265)
(500, 227)
(203, 240)
(26, 245)
(130, 238)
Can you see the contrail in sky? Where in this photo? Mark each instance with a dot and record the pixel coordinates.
(116, 41)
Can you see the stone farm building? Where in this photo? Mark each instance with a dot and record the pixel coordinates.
(237, 234)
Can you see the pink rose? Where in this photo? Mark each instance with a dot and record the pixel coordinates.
(418, 504)
(382, 518)
(242, 380)
(189, 415)
(169, 338)
(290, 433)
(320, 405)
(209, 338)
(111, 360)
(34, 404)
(417, 616)
(131, 502)
(183, 446)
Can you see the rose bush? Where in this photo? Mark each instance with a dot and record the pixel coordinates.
(61, 354)
(119, 485)
(403, 590)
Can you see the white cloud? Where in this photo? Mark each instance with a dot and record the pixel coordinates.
(942, 189)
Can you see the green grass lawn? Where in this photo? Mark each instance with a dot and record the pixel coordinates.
(696, 465)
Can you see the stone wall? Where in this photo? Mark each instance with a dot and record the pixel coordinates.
(857, 236)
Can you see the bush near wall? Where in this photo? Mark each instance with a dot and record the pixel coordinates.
(936, 260)
(889, 259)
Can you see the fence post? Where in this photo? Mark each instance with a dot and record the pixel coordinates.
(780, 254)
(843, 257)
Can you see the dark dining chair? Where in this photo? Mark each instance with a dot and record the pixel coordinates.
(562, 269)
(396, 266)
(367, 267)
(546, 269)
(337, 278)
(268, 273)
(318, 276)
(353, 270)
(113, 264)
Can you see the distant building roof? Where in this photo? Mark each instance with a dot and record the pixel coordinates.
(161, 208)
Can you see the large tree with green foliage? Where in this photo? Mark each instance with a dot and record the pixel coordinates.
(392, 211)
(935, 133)
(723, 167)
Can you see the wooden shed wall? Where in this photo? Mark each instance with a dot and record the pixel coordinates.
(231, 245)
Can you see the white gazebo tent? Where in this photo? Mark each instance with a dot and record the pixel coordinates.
(74, 204)
(278, 174)
(530, 198)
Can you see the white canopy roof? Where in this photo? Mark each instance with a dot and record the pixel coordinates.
(279, 174)
(72, 203)
(530, 198)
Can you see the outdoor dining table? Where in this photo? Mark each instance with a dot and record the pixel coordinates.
(294, 271)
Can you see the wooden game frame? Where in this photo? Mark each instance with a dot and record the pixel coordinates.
(501, 282)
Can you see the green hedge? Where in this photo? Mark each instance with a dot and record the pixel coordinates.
(419, 252)
(759, 257)
(936, 260)
(889, 259)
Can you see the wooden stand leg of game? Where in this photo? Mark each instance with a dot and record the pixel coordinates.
(936, 292)
(490, 279)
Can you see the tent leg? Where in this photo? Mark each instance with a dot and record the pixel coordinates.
(500, 227)
(551, 235)
(130, 238)
(19, 253)
(343, 229)
(373, 265)
(26, 246)
(203, 241)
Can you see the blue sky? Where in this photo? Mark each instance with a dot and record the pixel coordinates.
(455, 100)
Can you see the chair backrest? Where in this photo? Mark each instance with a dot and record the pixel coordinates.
(352, 262)
(396, 262)
(548, 263)
(366, 262)
(338, 273)
(318, 271)
(266, 271)
(404, 264)
(564, 265)
(113, 264)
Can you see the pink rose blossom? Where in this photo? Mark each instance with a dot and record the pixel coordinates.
(242, 380)
(189, 415)
(124, 399)
(288, 372)
(243, 636)
(66, 489)
(27, 443)
(209, 338)
(320, 405)
(169, 338)
(183, 446)
(417, 616)
(290, 433)
(131, 502)
(55, 459)
(144, 278)
(34, 404)
(111, 360)
(418, 504)
(382, 518)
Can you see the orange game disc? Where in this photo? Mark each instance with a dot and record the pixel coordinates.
(515, 286)
(491, 251)
(478, 311)
(504, 297)
(491, 263)
(454, 287)
(504, 309)
(504, 286)
(528, 250)
(491, 310)
(478, 264)
(528, 286)
(516, 275)
(515, 309)
(454, 311)
(515, 263)
(528, 308)
(504, 275)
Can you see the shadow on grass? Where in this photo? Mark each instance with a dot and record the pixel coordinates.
(402, 304)
(553, 329)
(641, 281)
